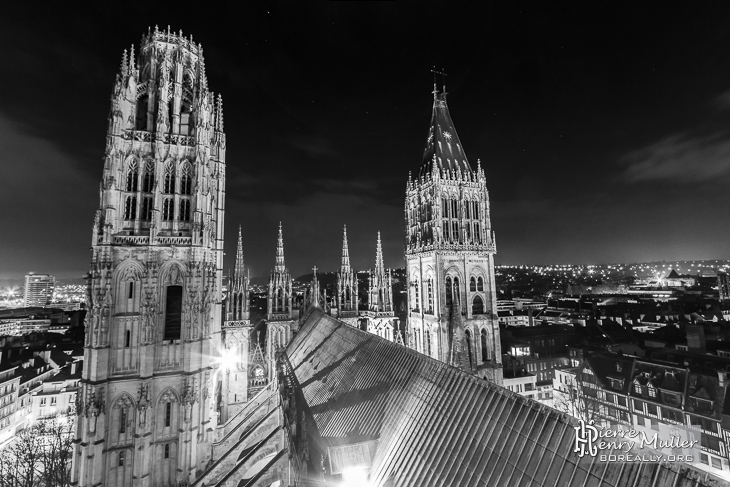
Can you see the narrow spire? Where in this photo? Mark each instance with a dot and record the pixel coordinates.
(345, 268)
(280, 267)
(219, 114)
(132, 66)
(124, 67)
(379, 266)
(239, 255)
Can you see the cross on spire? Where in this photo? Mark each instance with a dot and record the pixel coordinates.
(443, 81)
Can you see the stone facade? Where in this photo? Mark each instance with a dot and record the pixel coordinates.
(450, 255)
(146, 409)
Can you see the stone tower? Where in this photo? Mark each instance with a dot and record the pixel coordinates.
(450, 255)
(236, 338)
(380, 316)
(280, 317)
(346, 298)
(146, 408)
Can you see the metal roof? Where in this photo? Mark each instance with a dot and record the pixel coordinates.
(437, 425)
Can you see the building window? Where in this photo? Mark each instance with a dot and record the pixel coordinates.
(43, 401)
(477, 306)
(168, 414)
(185, 210)
(168, 209)
(132, 177)
(472, 284)
(173, 312)
(130, 208)
(169, 185)
(467, 334)
(167, 448)
(120, 459)
(485, 347)
(128, 338)
(449, 296)
(148, 181)
(430, 295)
(146, 209)
(122, 420)
(186, 180)
(130, 290)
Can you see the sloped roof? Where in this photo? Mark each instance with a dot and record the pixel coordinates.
(442, 140)
(437, 425)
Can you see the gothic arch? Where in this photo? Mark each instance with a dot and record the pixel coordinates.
(477, 305)
(172, 273)
(168, 394)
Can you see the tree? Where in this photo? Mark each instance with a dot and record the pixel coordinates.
(577, 394)
(40, 455)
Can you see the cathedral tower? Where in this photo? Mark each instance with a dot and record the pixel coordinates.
(450, 255)
(146, 408)
(346, 286)
(380, 317)
(280, 321)
(236, 338)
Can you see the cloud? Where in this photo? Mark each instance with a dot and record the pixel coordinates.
(722, 101)
(315, 147)
(680, 158)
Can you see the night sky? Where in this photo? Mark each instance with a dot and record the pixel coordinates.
(603, 129)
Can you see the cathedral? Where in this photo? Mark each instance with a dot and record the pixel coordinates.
(178, 390)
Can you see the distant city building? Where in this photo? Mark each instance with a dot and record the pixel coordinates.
(38, 289)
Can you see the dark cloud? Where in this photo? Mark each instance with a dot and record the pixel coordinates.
(680, 158)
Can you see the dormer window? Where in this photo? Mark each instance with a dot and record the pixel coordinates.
(651, 389)
(617, 384)
(705, 405)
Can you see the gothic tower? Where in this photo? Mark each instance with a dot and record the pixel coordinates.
(236, 338)
(346, 298)
(146, 408)
(381, 319)
(380, 294)
(450, 255)
(280, 322)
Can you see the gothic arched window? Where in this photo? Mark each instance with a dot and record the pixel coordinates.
(485, 348)
(449, 295)
(146, 209)
(169, 186)
(132, 176)
(140, 122)
(472, 284)
(457, 291)
(148, 181)
(428, 343)
(477, 306)
(467, 335)
(185, 210)
(430, 295)
(186, 180)
(173, 313)
(130, 208)
(480, 284)
(168, 209)
(415, 306)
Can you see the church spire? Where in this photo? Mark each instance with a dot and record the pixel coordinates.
(280, 267)
(379, 266)
(239, 255)
(443, 147)
(345, 268)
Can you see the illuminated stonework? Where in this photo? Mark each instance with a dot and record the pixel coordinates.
(450, 255)
(153, 331)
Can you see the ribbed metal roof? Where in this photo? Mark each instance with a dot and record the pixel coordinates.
(437, 425)
(442, 142)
